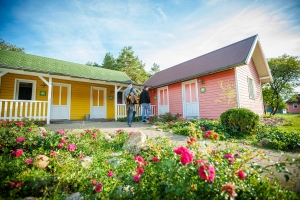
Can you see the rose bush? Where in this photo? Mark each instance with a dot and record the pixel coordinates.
(87, 163)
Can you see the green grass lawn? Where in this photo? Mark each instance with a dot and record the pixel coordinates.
(291, 123)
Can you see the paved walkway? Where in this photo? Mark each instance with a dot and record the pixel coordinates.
(151, 132)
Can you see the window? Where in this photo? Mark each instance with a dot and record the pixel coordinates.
(25, 89)
(251, 88)
(120, 98)
(295, 105)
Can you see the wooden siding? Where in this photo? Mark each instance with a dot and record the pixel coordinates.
(291, 109)
(220, 94)
(80, 94)
(175, 98)
(243, 73)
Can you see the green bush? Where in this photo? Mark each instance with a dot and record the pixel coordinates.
(239, 121)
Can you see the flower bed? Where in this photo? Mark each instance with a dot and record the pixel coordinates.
(54, 165)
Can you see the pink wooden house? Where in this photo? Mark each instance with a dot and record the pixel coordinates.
(294, 107)
(208, 85)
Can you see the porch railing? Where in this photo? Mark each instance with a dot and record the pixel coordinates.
(18, 109)
(121, 110)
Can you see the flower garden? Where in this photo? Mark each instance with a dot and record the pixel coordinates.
(38, 163)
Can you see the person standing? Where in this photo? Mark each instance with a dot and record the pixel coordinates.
(145, 102)
(129, 104)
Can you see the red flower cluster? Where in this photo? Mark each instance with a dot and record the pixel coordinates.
(110, 173)
(98, 186)
(62, 132)
(28, 161)
(17, 153)
(208, 173)
(230, 158)
(20, 139)
(139, 170)
(186, 155)
(13, 184)
(72, 147)
(241, 174)
(212, 135)
(155, 159)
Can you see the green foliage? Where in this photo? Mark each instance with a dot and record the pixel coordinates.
(280, 140)
(154, 69)
(109, 62)
(10, 47)
(163, 178)
(168, 117)
(286, 75)
(239, 121)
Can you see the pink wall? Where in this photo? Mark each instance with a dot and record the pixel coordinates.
(175, 98)
(243, 72)
(291, 109)
(219, 96)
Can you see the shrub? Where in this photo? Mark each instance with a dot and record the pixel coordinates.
(167, 117)
(239, 121)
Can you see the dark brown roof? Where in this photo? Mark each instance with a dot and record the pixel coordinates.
(227, 57)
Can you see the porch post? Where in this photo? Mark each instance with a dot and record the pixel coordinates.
(49, 100)
(116, 102)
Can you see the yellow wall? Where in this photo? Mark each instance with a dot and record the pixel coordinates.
(80, 94)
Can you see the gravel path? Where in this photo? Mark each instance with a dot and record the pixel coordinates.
(152, 132)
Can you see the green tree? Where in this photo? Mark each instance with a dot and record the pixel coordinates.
(131, 65)
(10, 47)
(109, 62)
(286, 76)
(154, 69)
(93, 64)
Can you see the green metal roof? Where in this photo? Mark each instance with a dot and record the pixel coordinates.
(27, 62)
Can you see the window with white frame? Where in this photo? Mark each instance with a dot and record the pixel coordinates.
(25, 89)
(251, 88)
(295, 105)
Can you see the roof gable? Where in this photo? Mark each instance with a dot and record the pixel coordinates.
(224, 58)
(28, 62)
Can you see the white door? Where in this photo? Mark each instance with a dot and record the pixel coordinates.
(98, 108)
(190, 100)
(163, 101)
(60, 108)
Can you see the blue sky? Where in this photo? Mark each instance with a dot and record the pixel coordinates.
(162, 32)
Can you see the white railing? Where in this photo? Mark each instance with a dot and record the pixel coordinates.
(121, 110)
(18, 109)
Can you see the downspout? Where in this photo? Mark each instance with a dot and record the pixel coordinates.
(49, 99)
(237, 88)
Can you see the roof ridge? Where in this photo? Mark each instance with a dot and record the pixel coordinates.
(213, 51)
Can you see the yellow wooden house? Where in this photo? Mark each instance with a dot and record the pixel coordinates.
(48, 89)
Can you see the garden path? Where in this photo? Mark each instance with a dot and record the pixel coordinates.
(151, 132)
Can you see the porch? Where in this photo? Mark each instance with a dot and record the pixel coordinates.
(38, 110)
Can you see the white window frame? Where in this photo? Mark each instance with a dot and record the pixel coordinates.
(295, 105)
(16, 94)
(251, 88)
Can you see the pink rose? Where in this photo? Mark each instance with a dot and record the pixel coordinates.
(186, 158)
(19, 152)
(203, 128)
(19, 184)
(94, 136)
(94, 183)
(131, 133)
(136, 178)
(207, 173)
(28, 161)
(98, 187)
(241, 174)
(81, 156)
(60, 145)
(155, 159)
(110, 173)
(139, 170)
(72, 147)
(139, 159)
(230, 158)
(191, 141)
(63, 141)
(181, 150)
(20, 139)
(12, 184)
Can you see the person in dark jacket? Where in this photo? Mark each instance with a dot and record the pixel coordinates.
(145, 103)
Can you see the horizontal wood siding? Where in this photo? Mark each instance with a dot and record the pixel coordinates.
(8, 86)
(175, 98)
(291, 109)
(243, 73)
(80, 98)
(80, 94)
(220, 94)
